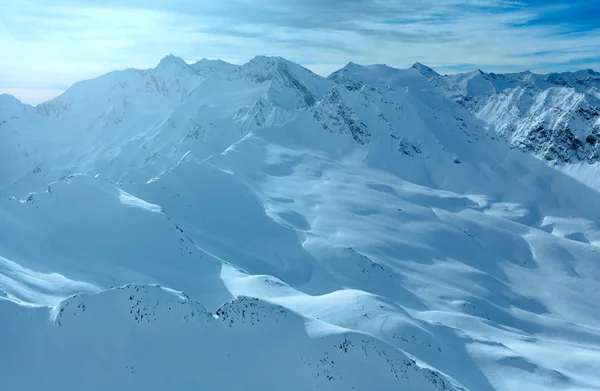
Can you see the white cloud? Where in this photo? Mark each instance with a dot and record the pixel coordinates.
(50, 45)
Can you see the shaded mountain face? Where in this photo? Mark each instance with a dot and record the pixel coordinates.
(555, 117)
(377, 229)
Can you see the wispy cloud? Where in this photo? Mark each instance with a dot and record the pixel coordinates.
(47, 46)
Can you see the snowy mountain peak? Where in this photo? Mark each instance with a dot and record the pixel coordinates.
(263, 58)
(214, 67)
(211, 62)
(353, 71)
(292, 85)
(553, 116)
(8, 99)
(265, 64)
(10, 106)
(174, 63)
(583, 73)
(424, 69)
(266, 67)
(353, 67)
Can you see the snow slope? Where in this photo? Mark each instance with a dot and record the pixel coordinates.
(371, 230)
(155, 338)
(555, 117)
(556, 122)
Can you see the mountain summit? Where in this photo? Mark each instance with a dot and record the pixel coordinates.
(424, 69)
(171, 62)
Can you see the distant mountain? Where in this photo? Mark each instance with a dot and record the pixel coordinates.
(555, 116)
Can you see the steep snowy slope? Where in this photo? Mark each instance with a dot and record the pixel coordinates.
(85, 229)
(365, 231)
(555, 117)
(291, 86)
(124, 120)
(91, 121)
(410, 258)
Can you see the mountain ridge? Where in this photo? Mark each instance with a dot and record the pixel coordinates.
(558, 77)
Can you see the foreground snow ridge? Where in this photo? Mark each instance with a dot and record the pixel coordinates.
(151, 337)
(379, 229)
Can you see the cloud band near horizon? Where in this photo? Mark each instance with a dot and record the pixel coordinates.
(47, 46)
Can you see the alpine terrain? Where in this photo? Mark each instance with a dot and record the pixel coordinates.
(210, 226)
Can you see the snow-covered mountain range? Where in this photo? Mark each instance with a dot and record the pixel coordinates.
(211, 225)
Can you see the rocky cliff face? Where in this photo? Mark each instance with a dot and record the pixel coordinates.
(555, 117)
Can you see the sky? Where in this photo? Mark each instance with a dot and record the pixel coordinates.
(46, 45)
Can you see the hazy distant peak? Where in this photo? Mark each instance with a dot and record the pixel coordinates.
(172, 62)
(424, 69)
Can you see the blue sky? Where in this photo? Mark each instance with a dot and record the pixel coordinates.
(48, 45)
